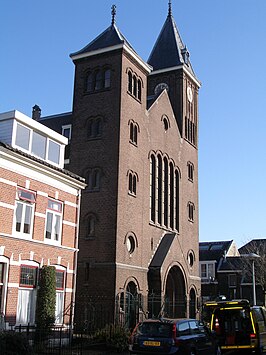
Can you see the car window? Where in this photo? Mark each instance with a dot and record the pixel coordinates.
(194, 328)
(183, 329)
(155, 329)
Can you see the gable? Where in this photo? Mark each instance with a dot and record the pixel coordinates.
(162, 109)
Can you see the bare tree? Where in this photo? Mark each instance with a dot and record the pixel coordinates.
(257, 246)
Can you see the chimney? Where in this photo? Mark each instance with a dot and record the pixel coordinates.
(36, 112)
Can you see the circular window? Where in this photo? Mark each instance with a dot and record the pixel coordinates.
(131, 244)
(190, 258)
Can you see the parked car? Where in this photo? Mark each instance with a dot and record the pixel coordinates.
(173, 336)
(238, 326)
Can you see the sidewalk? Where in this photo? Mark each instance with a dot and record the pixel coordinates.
(101, 352)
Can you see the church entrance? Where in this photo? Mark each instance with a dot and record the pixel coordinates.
(129, 306)
(175, 295)
(192, 303)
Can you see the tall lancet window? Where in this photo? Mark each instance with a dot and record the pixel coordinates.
(164, 192)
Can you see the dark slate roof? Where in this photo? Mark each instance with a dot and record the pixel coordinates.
(108, 38)
(40, 161)
(232, 263)
(255, 246)
(55, 122)
(162, 250)
(213, 250)
(169, 50)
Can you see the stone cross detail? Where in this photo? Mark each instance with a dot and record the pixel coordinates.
(170, 8)
(113, 14)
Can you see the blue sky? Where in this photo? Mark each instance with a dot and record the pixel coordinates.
(227, 44)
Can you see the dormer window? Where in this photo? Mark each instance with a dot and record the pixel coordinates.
(22, 137)
(37, 144)
(53, 151)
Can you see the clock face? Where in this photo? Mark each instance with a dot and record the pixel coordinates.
(189, 94)
(160, 87)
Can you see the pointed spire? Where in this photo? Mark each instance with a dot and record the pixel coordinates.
(113, 14)
(170, 8)
(169, 50)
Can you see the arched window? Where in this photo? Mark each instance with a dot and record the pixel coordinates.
(93, 179)
(134, 187)
(172, 195)
(164, 192)
(190, 171)
(98, 127)
(89, 86)
(160, 188)
(165, 207)
(94, 128)
(191, 209)
(132, 183)
(176, 200)
(107, 78)
(139, 89)
(91, 226)
(98, 80)
(165, 123)
(153, 187)
(133, 133)
(134, 86)
(130, 85)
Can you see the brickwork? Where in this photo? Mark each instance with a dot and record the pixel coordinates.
(105, 265)
(34, 250)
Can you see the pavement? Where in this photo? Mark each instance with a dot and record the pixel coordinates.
(102, 352)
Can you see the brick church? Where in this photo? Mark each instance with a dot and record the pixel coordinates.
(133, 135)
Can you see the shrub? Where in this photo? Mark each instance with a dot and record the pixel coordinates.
(12, 343)
(46, 298)
(112, 336)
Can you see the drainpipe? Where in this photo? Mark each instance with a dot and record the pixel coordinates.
(74, 282)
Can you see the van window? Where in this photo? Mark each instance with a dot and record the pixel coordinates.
(258, 314)
(233, 320)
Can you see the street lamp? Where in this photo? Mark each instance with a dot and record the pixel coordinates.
(253, 256)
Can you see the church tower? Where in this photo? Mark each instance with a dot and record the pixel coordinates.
(172, 70)
(136, 145)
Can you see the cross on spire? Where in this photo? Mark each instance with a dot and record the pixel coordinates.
(170, 8)
(113, 14)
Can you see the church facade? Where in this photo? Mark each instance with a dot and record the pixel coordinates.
(134, 137)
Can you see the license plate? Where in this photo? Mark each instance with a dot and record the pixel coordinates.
(151, 343)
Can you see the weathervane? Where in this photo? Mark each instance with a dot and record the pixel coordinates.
(170, 8)
(113, 14)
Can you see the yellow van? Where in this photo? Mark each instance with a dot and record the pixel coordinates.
(237, 325)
